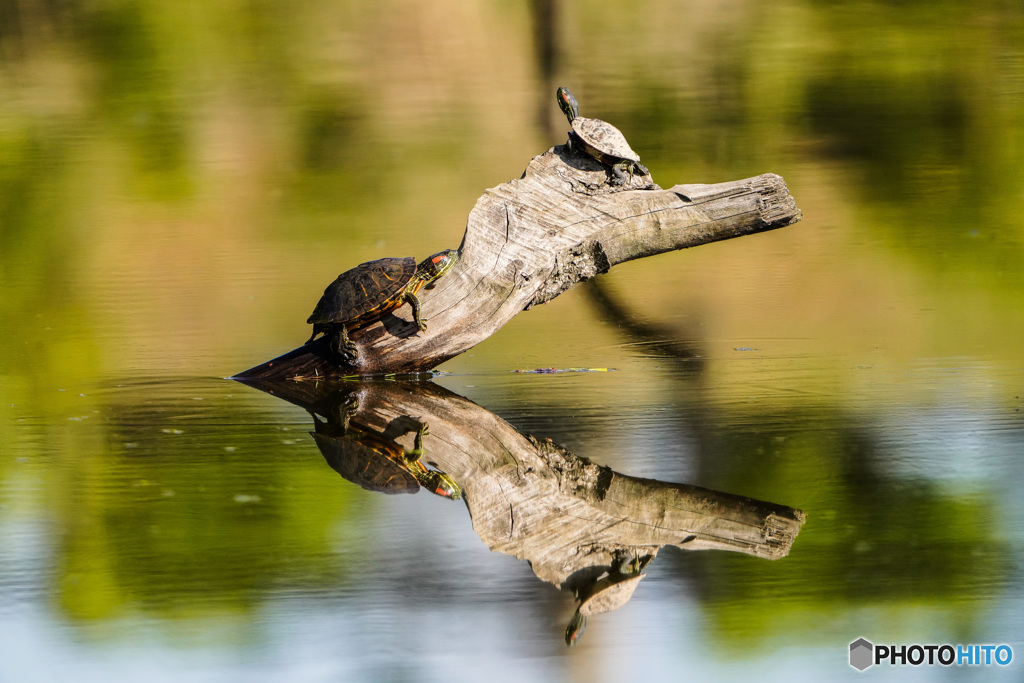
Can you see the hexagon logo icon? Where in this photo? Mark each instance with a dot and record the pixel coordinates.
(861, 654)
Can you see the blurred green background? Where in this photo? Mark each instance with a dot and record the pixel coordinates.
(179, 181)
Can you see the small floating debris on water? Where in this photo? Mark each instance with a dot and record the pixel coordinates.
(173, 431)
(246, 498)
(551, 371)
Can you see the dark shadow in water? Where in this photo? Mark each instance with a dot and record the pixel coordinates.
(664, 341)
(581, 526)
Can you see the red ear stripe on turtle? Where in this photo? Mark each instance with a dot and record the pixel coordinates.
(439, 257)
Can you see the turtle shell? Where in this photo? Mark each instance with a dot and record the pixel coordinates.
(604, 139)
(369, 465)
(610, 597)
(367, 291)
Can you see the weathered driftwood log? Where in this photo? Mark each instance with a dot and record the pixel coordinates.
(529, 240)
(535, 500)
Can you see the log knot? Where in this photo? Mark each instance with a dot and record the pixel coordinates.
(576, 475)
(571, 267)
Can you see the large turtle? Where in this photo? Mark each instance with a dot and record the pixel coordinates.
(601, 140)
(362, 295)
(371, 460)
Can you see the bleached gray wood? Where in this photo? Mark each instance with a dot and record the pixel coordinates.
(529, 240)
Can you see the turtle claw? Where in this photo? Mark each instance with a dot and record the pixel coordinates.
(343, 347)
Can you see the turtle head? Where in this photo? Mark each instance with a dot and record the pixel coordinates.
(437, 265)
(567, 103)
(577, 625)
(441, 484)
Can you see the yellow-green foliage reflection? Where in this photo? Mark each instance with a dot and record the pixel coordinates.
(180, 180)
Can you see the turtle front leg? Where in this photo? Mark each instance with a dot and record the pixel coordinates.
(619, 176)
(415, 303)
(619, 173)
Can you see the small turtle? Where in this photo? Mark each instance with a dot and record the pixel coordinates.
(362, 295)
(601, 140)
(609, 593)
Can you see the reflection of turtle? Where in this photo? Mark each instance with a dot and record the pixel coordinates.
(363, 294)
(601, 140)
(376, 463)
(609, 593)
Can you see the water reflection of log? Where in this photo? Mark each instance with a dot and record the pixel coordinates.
(573, 520)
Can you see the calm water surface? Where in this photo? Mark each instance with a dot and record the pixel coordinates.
(178, 184)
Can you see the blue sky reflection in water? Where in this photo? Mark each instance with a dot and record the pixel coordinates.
(178, 184)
